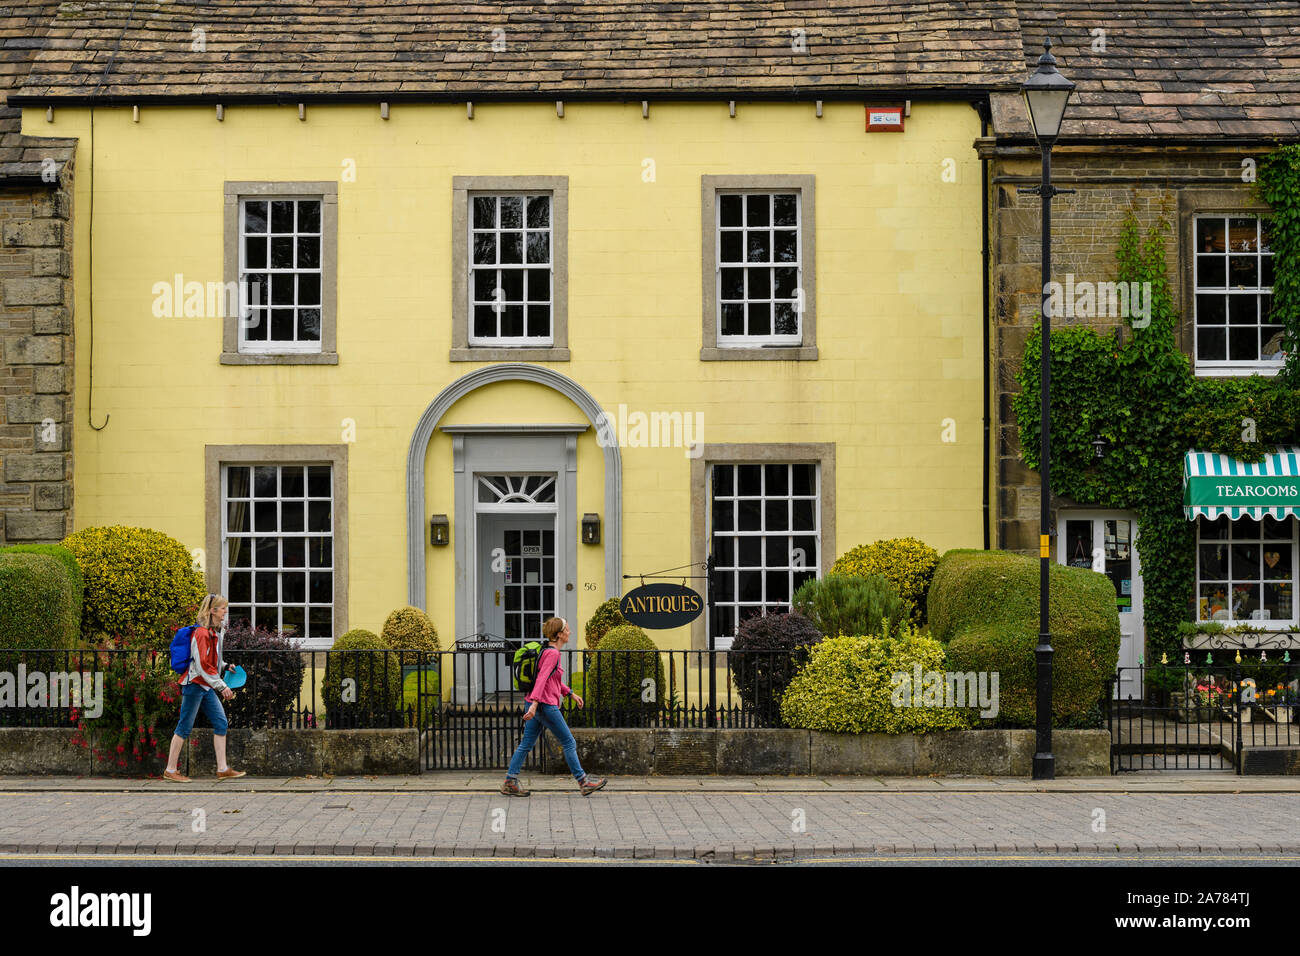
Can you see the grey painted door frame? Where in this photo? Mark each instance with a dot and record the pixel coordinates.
(417, 539)
(497, 449)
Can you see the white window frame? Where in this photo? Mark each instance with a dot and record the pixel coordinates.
(772, 339)
(270, 346)
(524, 267)
(1228, 367)
(280, 535)
(735, 534)
(1283, 623)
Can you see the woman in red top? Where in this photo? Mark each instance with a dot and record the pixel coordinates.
(548, 690)
(200, 686)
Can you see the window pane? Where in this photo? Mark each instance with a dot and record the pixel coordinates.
(295, 552)
(512, 212)
(291, 513)
(1214, 562)
(760, 283)
(485, 212)
(776, 479)
(787, 280)
(255, 252)
(758, 247)
(239, 553)
(264, 481)
(539, 285)
(320, 552)
(512, 248)
(760, 318)
(282, 215)
(803, 515)
(787, 245)
(1211, 309)
(241, 587)
(318, 516)
(733, 283)
(750, 479)
(309, 215)
(293, 588)
(729, 210)
(1209, 235)
(539, 247)
(237, 516)
(255, 216)
(749, 515)
(282, 252)
(1211, 272)
(308, 252)
(787, 320)
(264, 516)
(1212, 344)
(804, 479)
(722, 479)
(776, 516)
(485, 321)
(733, 319)
(512, 321)
(757, 210)
(539, 321)
(309, 289)
(786, 206)
(318, 481)
(1243, 344)
(485, 248)
(539, 212)
(732, 247)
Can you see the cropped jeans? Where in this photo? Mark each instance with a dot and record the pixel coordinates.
(195, 698)
(548, 716)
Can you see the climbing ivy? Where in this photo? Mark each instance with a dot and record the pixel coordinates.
(1141, 397)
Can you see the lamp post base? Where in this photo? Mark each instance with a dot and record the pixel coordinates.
(1044, 767)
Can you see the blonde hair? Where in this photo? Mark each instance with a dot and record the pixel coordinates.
(210, 604)
(553, 627)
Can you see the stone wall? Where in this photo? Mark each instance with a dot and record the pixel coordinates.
(1170, 184)
(36, 361)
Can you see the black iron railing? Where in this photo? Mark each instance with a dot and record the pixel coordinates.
(1202, 716)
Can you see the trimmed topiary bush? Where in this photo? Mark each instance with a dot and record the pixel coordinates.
(378, 681)
(409, 628)
(906, 563)
(839, 604)
(616, 680)
(275, 675)
(984, 606)
(38, 605)
(606, 616)
(65, 558)
(774, 645)
(847, 686)
(140, 583)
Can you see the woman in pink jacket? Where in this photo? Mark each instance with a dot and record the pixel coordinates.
(548, 690)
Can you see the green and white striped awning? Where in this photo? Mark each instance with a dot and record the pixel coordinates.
(1216, 485)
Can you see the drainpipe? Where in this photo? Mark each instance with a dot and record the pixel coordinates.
(983, 109)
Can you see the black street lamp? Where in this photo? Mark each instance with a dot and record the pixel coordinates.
(1046, 94)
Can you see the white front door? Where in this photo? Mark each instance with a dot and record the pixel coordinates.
(1106, 542)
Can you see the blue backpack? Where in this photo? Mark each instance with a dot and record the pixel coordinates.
(181, 649)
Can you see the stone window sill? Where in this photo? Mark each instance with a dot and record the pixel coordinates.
(509, 355)
(279, 358)
(805, 353)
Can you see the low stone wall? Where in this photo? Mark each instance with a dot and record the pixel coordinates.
(1079, 753)
(271, 753)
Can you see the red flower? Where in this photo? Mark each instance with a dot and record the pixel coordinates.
(120, 748)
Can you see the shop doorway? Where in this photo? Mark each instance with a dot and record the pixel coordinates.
(516, 584)
(1105, 542)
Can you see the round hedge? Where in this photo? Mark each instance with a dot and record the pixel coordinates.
(847, 687)
(275, 676)
(378, 681)
(69, 562)
(906, 563)
(770, 647)
(607, 615)
(409, 628)
(615, 680)
(37, 602)
(985, 606)
(140, 583)
(841, 604)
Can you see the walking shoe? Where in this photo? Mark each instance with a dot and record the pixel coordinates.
(511, 788)
(176, 776)
(591, 784)
(229, 774)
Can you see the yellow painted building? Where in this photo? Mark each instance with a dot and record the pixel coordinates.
(475, 328)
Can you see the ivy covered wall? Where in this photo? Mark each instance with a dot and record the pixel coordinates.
(1134, 388)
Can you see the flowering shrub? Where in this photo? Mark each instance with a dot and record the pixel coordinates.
(139, 582)
(1212, 694)
(140, 708)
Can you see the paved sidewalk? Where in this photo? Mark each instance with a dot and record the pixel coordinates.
(488, 782)
(699, 818)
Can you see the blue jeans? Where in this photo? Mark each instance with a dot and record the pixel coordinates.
(194, 698)
(549, 717)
